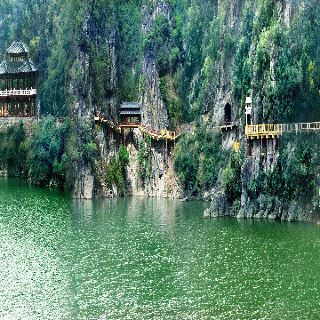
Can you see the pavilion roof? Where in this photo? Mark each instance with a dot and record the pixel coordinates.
(129, 105)
(130, 109)
(17, 47)
(15, 67)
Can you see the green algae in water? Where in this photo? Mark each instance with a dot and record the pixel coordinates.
(141, 258)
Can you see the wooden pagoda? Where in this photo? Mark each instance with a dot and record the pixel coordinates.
(18, 76)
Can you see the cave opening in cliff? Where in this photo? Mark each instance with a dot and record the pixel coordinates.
(248, 119)
(227, 113)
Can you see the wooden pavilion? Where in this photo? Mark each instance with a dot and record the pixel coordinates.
(18, 76)
(130, 114)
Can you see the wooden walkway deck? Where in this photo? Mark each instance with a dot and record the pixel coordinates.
(229, 126)
(269, 131)
(108, 122)
(153, 134)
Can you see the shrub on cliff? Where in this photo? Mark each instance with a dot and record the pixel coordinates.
(294, 174)
(144, 158)
(116, 170)
(171, 99)
(198, 160)
(231, 178)
(163, 44)
(46, 158)
(13, 150)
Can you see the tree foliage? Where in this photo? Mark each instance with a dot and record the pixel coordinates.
(116, 170)
(40, 153)
(295, 172)
(198, 160)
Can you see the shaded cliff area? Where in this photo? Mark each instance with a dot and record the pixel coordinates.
(190, 65)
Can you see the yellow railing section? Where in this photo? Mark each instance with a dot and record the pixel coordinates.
(260, 130)
(159, 135)
(236, 146)
(274, 130)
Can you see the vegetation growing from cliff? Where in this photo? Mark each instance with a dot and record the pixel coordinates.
(163, 43)
(231, 179)
(39, 154)
(144, 159)
(198, 160)
(295, 173)
(47, 160)
(204, 51)
(116, 170)
(13, 150)
(168, 86)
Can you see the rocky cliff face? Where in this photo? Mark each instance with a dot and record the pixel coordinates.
(233, 15)
(154, 112)
(184, 61)
(154, 177)
(92, 180)
(261, 157)
(241, 57)
(161, 179)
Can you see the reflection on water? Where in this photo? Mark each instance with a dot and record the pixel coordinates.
(142, 258)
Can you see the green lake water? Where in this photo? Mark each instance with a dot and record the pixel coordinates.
(141, 258)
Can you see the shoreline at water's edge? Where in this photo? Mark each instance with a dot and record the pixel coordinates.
(295, 212)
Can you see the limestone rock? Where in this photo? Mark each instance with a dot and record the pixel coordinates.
(84, 184)
(219, 206)
(207, 213)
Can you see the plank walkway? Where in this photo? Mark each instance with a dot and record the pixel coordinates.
(153, 134)
(256, 131)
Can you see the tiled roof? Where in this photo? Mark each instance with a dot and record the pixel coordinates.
(129, 112)
(130, 105)
(14, 67)
(17, 47)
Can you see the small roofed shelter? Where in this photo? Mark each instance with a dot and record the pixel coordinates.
(18, 76)
(130, 113)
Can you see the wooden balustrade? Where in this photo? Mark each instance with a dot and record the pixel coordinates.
(14, 92)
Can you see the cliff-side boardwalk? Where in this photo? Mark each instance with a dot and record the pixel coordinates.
(18, 76)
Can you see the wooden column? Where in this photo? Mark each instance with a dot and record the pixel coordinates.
(267, 158)
(164, 156)
(273, 145)
(166, 148)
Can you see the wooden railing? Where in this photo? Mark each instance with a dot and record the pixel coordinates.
(258, 131)
(108, 122)
(14, 92)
